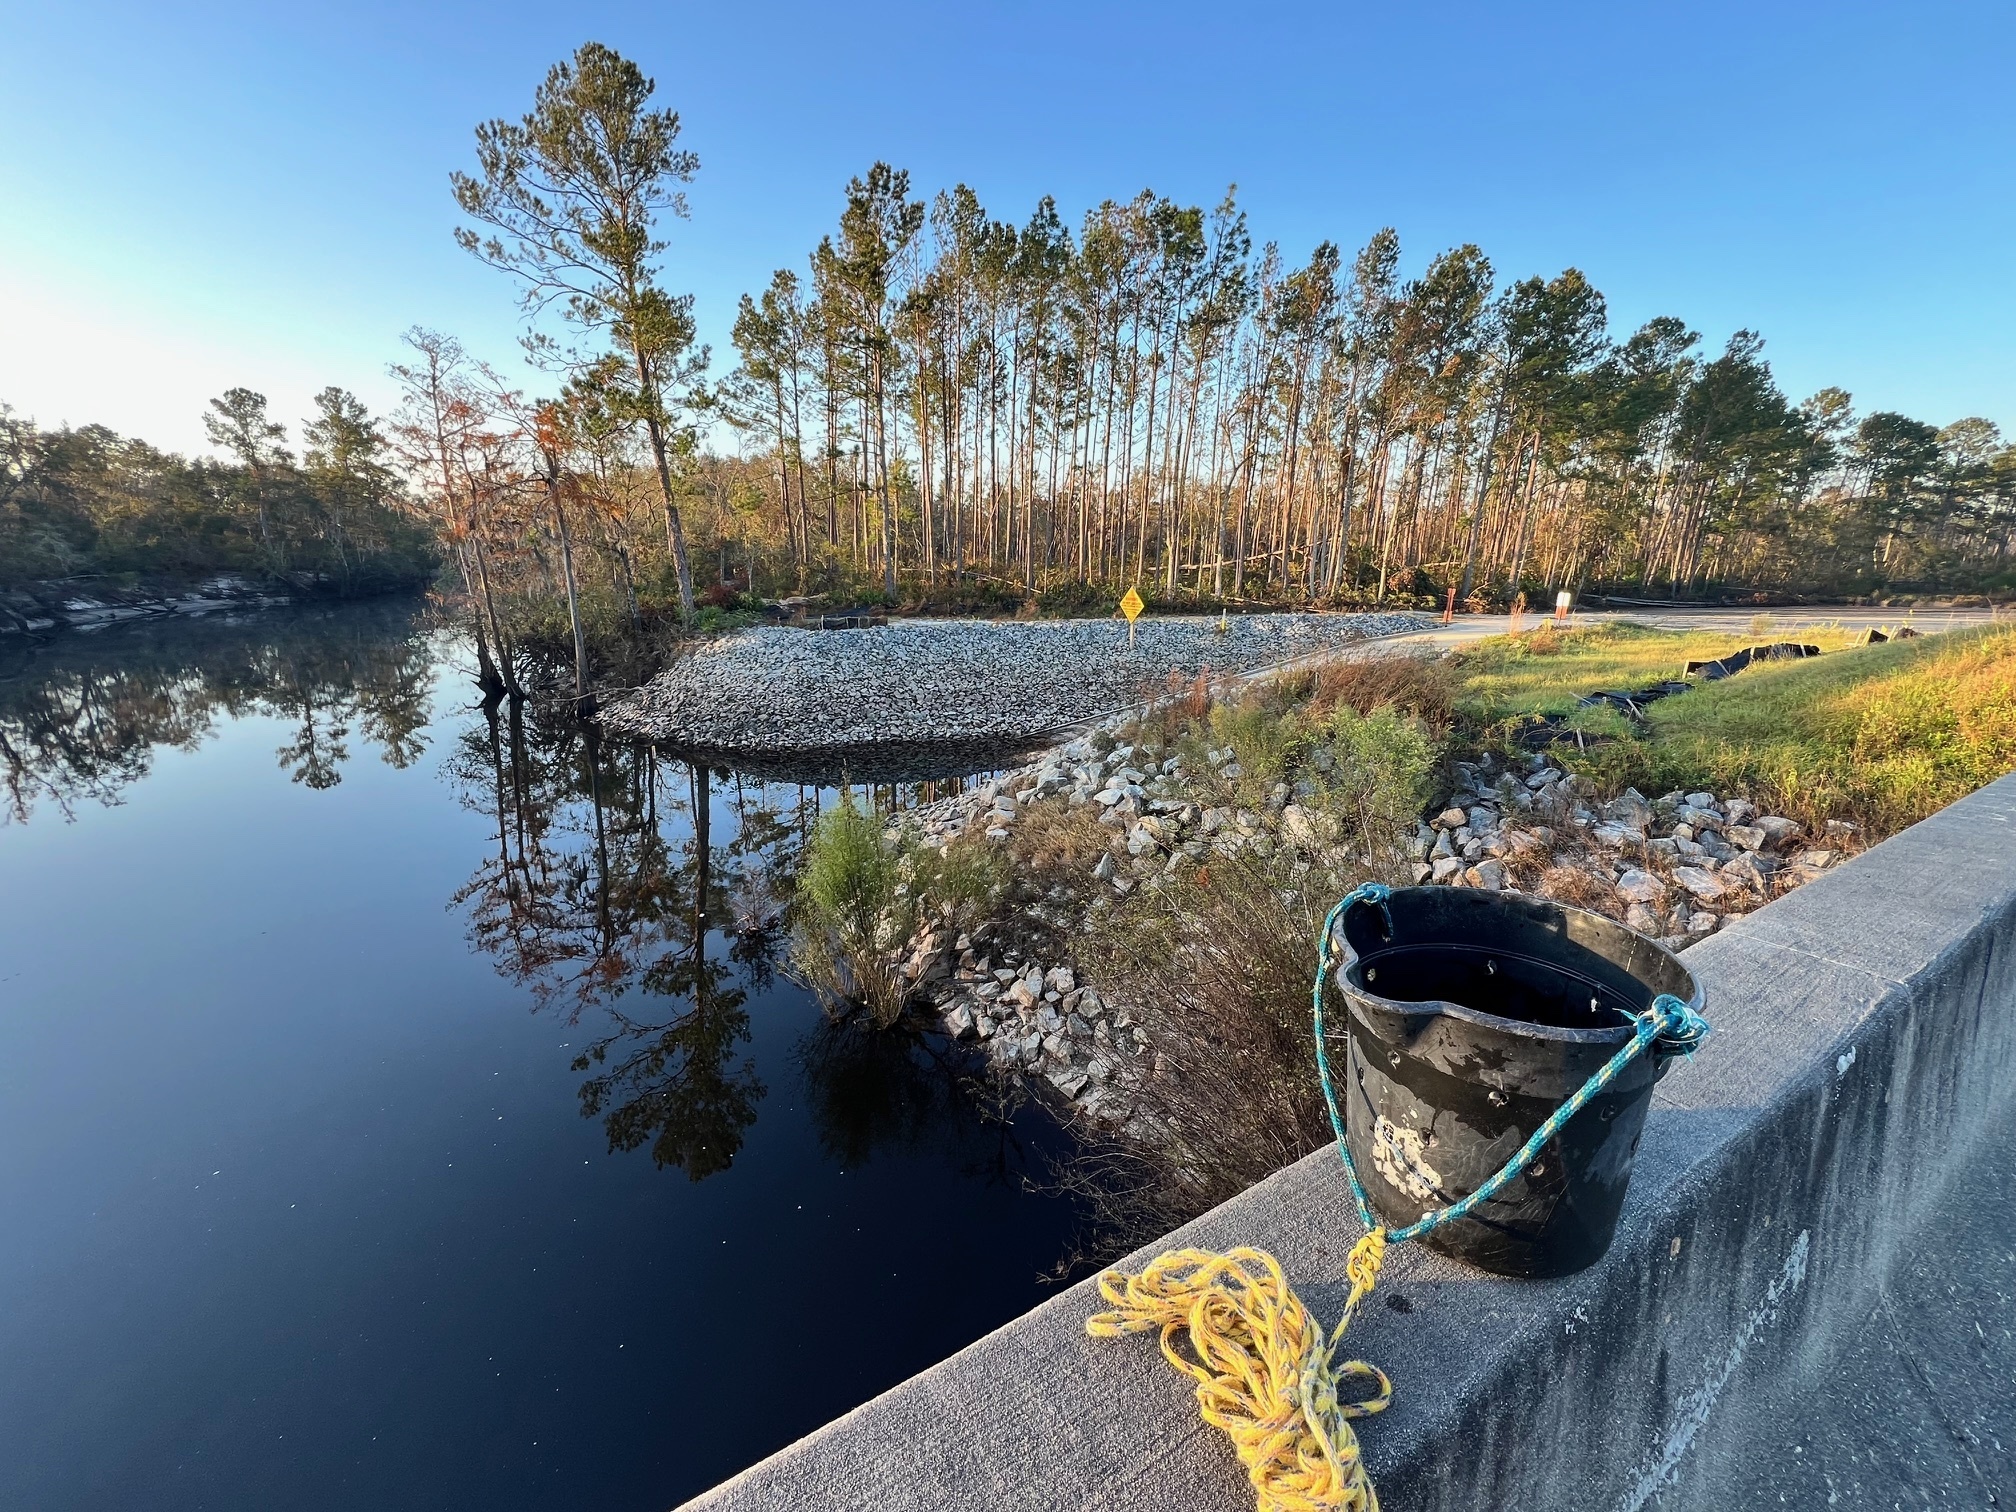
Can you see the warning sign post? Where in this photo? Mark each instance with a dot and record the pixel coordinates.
(1131, 606)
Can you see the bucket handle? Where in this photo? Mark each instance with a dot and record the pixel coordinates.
(1668, 1027)
(1366, 894)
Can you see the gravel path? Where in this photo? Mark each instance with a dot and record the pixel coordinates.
(778, 690)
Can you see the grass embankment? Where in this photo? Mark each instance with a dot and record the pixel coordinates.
(1880, 735)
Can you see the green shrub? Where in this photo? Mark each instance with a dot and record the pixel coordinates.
(853, 914)
(1379, 779)
(1261, 739)
(961, 879)
(1076, 600)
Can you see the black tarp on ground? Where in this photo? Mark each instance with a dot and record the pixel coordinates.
(1736, 661)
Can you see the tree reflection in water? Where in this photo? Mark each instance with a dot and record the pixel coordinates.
(82, 715)
(660, 943)
(587, 904)
(876, 1090)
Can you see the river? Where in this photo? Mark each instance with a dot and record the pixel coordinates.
(404, 1104)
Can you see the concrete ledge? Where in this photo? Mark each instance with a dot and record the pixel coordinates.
(1864, 1057)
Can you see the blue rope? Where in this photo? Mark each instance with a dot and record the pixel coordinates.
(1678, 1027)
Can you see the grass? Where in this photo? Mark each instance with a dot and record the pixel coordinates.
(1881, 735)
(1543, 673)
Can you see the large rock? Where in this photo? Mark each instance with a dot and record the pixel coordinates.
(1640, 886)
(1299, 826)
(1777, 829)
(1704, 885)
(1751, 869)
(1631, 808)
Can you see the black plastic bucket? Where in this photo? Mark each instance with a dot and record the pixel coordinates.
(1473, 1016)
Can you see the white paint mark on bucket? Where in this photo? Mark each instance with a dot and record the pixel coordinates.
(1400, 1155)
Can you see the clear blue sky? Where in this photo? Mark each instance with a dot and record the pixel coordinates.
(193, 196)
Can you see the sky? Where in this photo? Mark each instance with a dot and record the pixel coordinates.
(196, 196)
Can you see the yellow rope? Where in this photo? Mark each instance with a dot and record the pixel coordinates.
(1264, 1372)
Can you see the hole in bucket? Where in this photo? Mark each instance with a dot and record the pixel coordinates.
(1523, 988)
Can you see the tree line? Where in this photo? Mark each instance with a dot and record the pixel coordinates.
(1151, 401)
(87, 501)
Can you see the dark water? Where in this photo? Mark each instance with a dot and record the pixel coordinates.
(403, 1107)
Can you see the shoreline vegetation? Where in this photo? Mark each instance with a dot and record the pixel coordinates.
(1124, 925)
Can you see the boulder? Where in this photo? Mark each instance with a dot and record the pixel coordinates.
(1704, 885)
(1777, 830)
(1299, 826)
(1696, 817)
(1751, 869)
(1640, 886)
(1631, 808)
(1489, 875)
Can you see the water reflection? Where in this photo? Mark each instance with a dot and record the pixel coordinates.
(877, 1092)
(637, 895)
(643, 895)
(381, 1260)
(81, 716)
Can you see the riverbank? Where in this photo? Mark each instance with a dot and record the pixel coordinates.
(91, 603)
(1677, 867)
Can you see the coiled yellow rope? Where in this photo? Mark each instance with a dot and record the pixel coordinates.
(1264, 1372)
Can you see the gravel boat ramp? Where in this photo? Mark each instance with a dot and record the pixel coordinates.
(776, 690)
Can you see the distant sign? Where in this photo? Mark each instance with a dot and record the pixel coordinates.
(1131, 606)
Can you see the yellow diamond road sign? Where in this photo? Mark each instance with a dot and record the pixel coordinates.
(1131, 606)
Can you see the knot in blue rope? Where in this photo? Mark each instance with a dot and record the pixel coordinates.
(1681, 1029)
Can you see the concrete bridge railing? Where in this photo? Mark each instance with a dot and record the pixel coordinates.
(1862, 1072)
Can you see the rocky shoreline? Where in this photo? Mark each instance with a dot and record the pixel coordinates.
(775, 690)
(1676, 867)
(91, 604)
